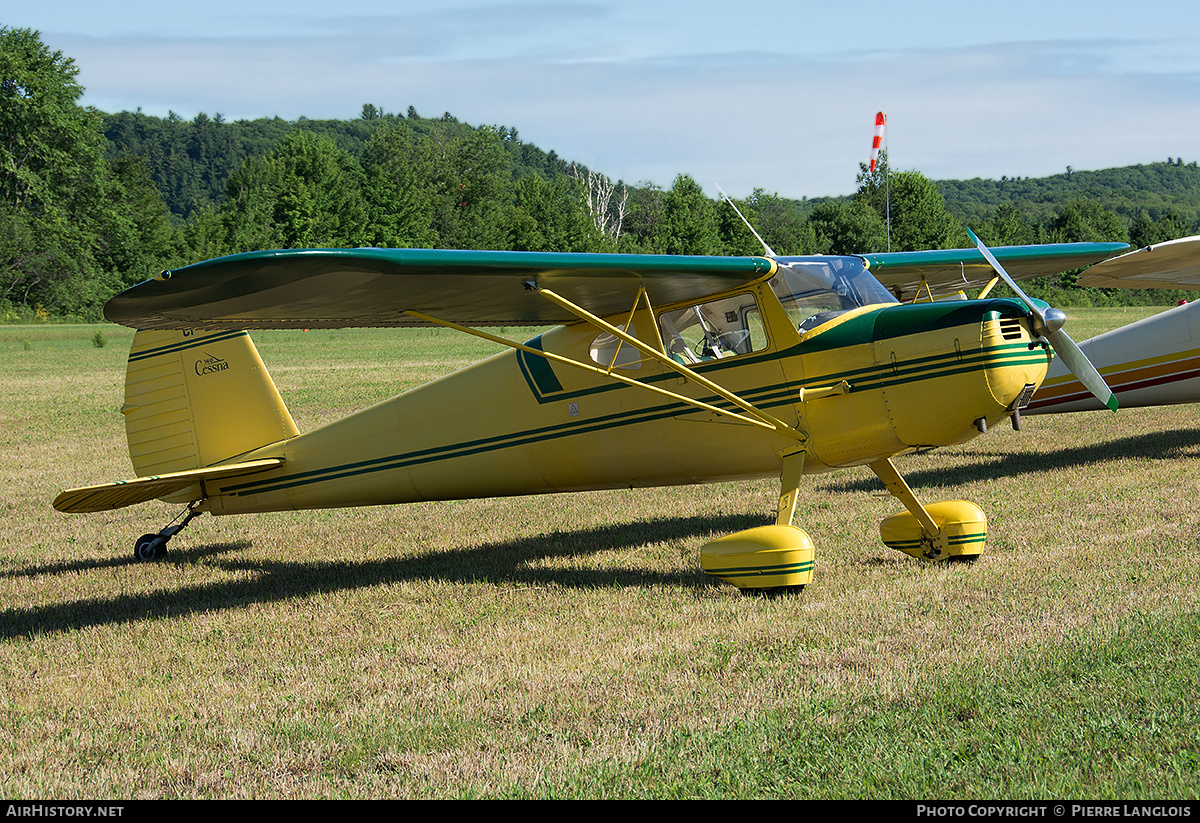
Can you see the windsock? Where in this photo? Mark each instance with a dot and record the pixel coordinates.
(878, 141)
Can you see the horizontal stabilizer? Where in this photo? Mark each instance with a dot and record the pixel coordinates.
(122, 493)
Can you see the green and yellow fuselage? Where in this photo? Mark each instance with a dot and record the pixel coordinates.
(869, 384)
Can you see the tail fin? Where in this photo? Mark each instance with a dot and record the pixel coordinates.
(193, 399)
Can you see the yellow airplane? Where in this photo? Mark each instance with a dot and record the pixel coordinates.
(660, 370)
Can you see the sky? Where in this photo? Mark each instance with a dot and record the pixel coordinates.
(779, 96)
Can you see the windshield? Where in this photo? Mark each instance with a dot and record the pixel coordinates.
(816, 289)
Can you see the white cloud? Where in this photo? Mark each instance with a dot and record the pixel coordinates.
(773, 113)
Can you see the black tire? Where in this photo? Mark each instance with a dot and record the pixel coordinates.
(150, 547)
(774, 591)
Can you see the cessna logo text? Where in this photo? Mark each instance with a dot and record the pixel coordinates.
(211, 364)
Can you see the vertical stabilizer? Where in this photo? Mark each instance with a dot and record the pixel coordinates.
(193, 399)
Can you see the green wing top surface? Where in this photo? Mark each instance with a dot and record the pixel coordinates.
(948, 270)
(1174, 264)
(342, 288)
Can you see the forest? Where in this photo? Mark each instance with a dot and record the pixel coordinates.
(91, 203)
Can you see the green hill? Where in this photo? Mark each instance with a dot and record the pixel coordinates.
(1156, 190)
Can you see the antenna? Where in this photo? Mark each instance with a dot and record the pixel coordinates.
(770, 252)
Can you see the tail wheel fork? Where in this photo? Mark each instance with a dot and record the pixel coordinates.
(152, 547)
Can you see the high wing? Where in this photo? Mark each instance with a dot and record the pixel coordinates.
(946, 271)
(341, 288)
(1174, 264)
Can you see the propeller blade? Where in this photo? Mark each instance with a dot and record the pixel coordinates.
(1049, 324)
(1012, 284)
(1078, 364)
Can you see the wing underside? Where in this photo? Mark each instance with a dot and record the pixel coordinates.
(1171, 265)
(946, 271)
(340, 288)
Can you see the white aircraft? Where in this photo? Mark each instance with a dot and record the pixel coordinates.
(1153, 362)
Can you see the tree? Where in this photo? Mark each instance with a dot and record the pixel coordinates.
(1144, 231)
(1010, 228)
(1085, 221)
(553, 216)
(607, 201)
(643, 219)
(912, 208)
(134, 237)
(780, 224)
(307, 193)
(48, 144)
(737, 240)
(398, 194)
(74, 226)
(847, 228)
(689, 224)
(472, 189)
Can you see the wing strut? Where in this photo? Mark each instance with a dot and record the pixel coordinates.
(771, 421)
(754, 416)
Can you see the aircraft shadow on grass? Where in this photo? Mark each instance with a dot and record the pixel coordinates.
(508, 561)
(503, 562)
(1150, 446)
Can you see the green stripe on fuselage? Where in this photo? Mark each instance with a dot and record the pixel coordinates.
(773, 396)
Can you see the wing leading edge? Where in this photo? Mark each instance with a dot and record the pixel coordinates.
(341, 288)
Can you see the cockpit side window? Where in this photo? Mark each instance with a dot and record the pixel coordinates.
(609, 351)
(714, 330)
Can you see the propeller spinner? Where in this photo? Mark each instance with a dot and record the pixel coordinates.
(1048, 323)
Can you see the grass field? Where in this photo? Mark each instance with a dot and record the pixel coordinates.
(569, 646)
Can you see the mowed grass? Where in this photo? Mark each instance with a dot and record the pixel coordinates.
(569, 645)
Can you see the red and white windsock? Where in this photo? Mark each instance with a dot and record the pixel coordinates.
(878, 141)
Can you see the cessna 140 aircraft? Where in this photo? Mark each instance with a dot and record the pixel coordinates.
(660, 370)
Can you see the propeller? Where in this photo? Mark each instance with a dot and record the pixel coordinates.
(1048, 323)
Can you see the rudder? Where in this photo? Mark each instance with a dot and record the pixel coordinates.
(193, 399)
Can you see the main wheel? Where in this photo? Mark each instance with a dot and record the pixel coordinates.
(774, 591)
(150, 547)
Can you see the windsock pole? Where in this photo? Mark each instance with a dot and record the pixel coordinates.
(876, 145)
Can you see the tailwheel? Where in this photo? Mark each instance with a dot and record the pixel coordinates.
(962, 531)
(768, 560)
(150, 547)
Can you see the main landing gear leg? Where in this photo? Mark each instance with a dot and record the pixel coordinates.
(150, 547)
(949, 530)
(768, 559)
(789, 487)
